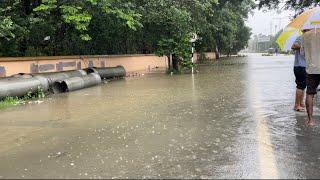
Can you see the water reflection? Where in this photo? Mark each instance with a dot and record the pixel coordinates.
(208, 125)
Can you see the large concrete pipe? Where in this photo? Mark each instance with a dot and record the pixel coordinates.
(15, 76)
(60, 76)
(20, 86)
(76, 83)
(22, 75)
(108, 72)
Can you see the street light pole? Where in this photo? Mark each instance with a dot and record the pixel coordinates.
(193, 39)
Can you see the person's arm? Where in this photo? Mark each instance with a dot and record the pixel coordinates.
(296, 46)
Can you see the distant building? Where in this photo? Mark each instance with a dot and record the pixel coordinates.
(260, 43)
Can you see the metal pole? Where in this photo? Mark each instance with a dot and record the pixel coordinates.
(192, 60)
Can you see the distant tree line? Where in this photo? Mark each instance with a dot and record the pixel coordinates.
(164, 27)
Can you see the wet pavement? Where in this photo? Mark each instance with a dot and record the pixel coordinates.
(234, 119)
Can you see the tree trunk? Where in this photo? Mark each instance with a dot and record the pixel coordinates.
(27, 7)
(169, 62)
(217, 53)
(175, 62)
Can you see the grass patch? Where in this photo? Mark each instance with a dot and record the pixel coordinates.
(10, 101)
(14, 101)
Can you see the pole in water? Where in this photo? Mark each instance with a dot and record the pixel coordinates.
(192, 60)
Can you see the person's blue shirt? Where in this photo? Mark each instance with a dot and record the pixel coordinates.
(299, 60)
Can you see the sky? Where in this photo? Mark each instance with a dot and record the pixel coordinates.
(268, 21)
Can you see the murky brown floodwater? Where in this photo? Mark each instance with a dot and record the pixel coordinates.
(232, 120)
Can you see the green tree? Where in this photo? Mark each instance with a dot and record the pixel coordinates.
(225, 27)
(164, 27)
(32, 21)
(289, 4)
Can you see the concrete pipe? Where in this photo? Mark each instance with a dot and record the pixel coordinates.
(60, 76)
(108, 72)
(15, 76)
(22, 75)
(76, 83)
(18, 87)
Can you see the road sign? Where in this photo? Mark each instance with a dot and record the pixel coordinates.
(264, 39)
(194, 37)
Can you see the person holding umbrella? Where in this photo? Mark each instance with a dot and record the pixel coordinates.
(311, 46)
(300, 74)
(309, 23)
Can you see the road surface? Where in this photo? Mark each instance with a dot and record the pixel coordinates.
(234, 119)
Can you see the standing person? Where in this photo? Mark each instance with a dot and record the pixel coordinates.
(276, 51)
(300, 74)
(311, 46)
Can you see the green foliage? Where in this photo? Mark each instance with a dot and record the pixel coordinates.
(163, 27)
(37, 95)
(225, 28)
(187, 64)
(9, 101)
(289, 4)
(14, 101)
(6, 28)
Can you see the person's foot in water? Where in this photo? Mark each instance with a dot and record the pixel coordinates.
(299, 109)
(310, 122)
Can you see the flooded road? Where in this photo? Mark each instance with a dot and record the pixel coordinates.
(234, 119)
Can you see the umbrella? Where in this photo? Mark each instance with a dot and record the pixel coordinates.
(310, 19)
(287, 38)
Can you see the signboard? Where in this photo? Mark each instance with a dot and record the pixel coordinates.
(194, 37)
(264, 39)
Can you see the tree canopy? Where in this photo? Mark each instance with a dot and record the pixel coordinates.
(66, 27)
(288, 4)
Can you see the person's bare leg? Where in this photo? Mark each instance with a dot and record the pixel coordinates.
(309, 105)
(302, 104)
(299, 100)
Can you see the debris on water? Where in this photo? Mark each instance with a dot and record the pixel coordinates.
(56, 155)
(194, 157)
(35, 102)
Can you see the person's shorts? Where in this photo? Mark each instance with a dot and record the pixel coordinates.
(313, 81)
(301, 75)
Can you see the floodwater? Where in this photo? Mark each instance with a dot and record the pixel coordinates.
(234, 119)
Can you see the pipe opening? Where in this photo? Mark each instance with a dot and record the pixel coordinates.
(60, 87)
(91, 70)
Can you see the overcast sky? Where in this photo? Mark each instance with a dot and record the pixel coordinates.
(262, 21)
